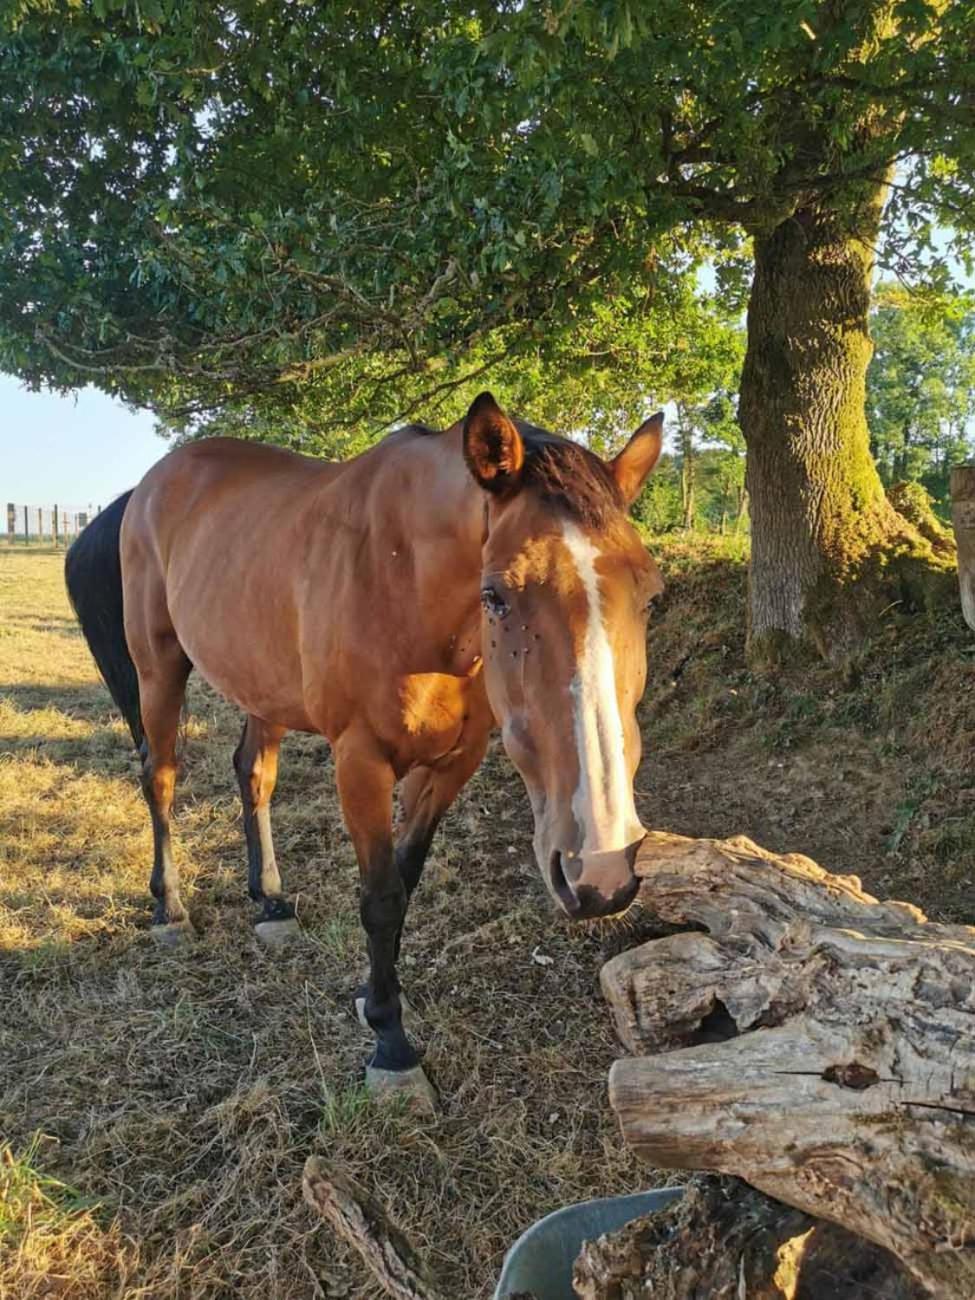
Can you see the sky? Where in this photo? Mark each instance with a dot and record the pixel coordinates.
(74, 451)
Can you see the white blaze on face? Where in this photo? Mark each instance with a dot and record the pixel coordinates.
(603, 802)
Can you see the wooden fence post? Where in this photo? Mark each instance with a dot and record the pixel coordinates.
(11, 521)
(963, 517)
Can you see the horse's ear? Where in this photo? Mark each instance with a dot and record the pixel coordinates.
(631, 468)
(493, 447)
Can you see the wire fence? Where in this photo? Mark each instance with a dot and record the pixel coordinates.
(45, 525)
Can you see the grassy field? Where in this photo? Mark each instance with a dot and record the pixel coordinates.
(177, 1094)
(156, 1107)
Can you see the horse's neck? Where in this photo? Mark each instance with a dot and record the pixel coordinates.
(426, 530)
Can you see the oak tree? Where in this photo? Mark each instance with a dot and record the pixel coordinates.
(226, 207)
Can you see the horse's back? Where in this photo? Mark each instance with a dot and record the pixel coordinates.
(205, 477)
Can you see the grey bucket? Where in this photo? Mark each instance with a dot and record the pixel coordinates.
(540, 1262)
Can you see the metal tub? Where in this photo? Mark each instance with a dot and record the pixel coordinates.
(540, 1262)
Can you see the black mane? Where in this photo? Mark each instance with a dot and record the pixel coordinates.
(565, 475)
(569, 477)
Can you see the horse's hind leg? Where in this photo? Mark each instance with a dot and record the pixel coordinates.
(256, 765)
(161, 693)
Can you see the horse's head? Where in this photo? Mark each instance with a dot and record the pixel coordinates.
(565, 586)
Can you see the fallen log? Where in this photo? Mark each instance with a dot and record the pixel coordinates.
(363, 1225)
(724, 1240)
(803, 1036)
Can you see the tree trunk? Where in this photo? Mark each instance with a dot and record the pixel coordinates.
(687, 468)
(809, 1039)
(822, 531)
(963, 517)
(742, 507)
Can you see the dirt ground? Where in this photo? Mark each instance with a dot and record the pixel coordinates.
(156, 1107)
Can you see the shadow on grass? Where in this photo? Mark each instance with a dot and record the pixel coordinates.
(74, 701)
(64, 724)
(57, 624)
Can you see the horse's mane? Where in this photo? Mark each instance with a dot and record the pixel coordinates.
(564, 474)
(569, 477)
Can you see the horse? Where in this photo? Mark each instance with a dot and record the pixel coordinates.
(401, 604)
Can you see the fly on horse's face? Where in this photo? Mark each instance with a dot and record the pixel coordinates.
(565, 588)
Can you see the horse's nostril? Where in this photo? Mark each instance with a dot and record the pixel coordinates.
(562, 886)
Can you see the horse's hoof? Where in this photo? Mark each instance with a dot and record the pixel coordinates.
(407, 1014)
(277, 933)
(412, 1085)
(173, 934)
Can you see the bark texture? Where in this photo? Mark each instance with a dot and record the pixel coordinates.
(963, 518)
(723, 1241)
(809, 1039)
(823, 533)
(364, 1226)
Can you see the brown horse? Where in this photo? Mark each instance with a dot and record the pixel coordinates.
(401, 604)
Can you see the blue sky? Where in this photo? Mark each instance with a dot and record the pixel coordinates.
(77, 451)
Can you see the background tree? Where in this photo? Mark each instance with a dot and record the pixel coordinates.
(208, 208)
(921, 387)
(704, 375)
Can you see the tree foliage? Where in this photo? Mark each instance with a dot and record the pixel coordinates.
(308, 213)
(921, 387)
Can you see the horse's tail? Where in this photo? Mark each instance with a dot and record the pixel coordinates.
(93, 574)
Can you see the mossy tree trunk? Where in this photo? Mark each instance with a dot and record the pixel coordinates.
(822, 529)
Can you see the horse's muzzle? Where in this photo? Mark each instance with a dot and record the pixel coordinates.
(590, 885)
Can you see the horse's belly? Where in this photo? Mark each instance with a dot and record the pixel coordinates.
(281, 707)
(246, 660)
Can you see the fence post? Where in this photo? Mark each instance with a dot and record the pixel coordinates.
(963, 517)
(56, 529)
(26, 528)
(11, 521)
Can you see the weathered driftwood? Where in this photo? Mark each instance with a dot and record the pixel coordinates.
(963, 518)
(809, 1039)
(724, 1240)
(363, 1225)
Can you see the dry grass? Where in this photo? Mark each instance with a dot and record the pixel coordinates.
(182, 1091)
(178, 1093)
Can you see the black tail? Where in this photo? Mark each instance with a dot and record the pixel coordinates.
(93, 573)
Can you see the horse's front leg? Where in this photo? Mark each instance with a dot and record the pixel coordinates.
(365, 784)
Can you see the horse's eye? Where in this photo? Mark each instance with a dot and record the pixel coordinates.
(494, 603)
